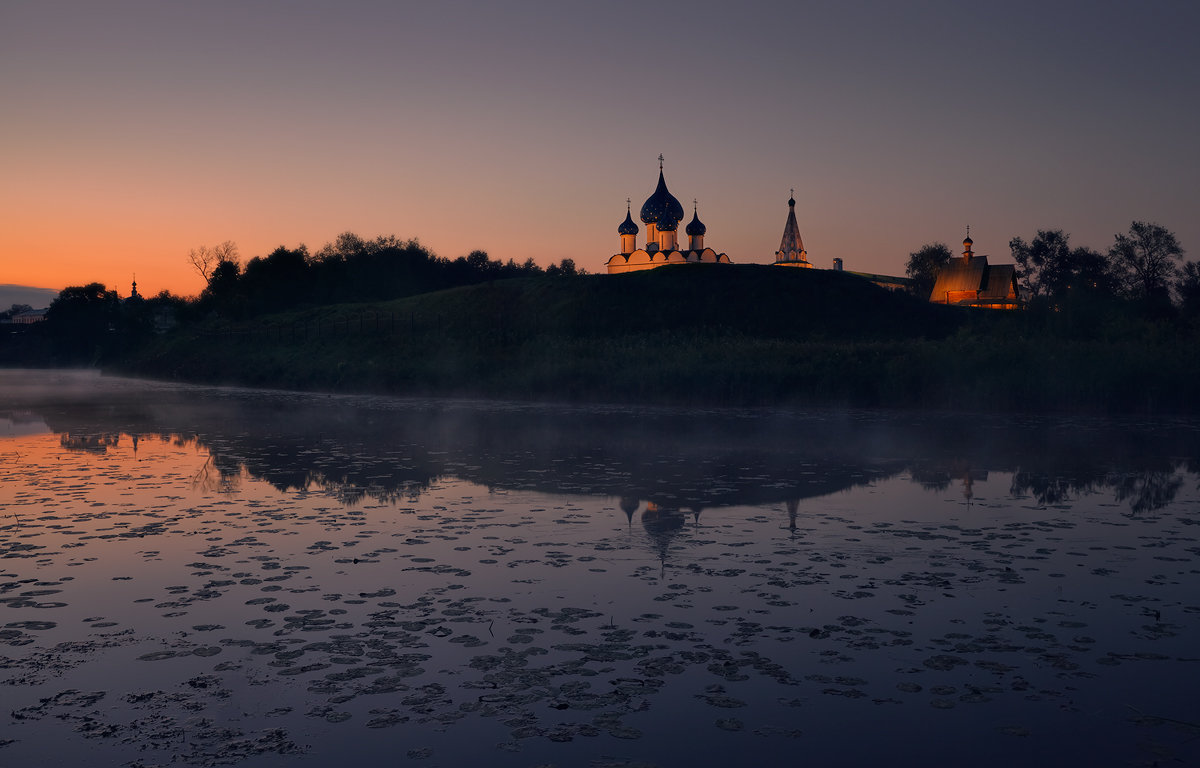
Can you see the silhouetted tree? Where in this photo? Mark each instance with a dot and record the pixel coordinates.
(476, 267)
(221, 292)
(350, 269)
(14, 310)
(1146, 260)
(205, 259)
(1092, 272)
(1050, 269)
(1040, 263)
(563, 268)
(923, 265)
(276, 281)
(82, 321)
(1187, 289)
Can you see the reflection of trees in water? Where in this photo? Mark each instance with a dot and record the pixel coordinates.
(1147, 491)
(282, 466)
(389, 451)
(939, 477)
(213, 478)
(89, 443)
(1048, 490)
(1144, 491)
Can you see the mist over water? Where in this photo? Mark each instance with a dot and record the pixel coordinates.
(215, 576)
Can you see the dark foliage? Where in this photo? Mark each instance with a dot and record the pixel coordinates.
(1146, 258)
(387, 315)
(1051, 271)
(1187, 289)
(83, 321)
(350, 270)
(923, 265)
(14, 310)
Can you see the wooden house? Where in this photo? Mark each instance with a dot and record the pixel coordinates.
(970, 281)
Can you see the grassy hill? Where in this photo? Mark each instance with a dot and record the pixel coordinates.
(688, 334)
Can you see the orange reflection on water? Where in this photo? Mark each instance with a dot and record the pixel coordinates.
(99, 482)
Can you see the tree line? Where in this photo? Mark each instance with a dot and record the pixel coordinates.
(91, 323)
(1143, 267)
(348, 270)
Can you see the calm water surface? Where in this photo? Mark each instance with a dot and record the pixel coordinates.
(204, 576)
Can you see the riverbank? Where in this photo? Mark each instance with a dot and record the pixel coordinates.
(704, 336)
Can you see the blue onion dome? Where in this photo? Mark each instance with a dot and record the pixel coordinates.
(696, 227)
(668, 225)
(627, 227)
(662, 206)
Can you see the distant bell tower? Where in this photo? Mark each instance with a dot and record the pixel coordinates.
(967, 243)
(791, 251)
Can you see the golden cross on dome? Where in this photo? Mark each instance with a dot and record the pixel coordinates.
(660, 161)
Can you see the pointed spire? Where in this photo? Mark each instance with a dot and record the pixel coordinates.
(791, 247)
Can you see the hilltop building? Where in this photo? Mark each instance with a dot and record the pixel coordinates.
(662, 214)
(887, 282)
(791, 251)
(28, 317)
(969, 281)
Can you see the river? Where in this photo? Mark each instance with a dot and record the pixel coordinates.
(213, 576)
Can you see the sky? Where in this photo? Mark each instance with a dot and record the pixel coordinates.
(133, 132)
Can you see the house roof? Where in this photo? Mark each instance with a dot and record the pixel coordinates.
(991, 283)
(999, 281)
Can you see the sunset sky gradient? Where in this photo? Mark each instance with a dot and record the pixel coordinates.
(135, 131)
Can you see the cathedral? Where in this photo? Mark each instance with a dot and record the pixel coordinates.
(662, 214)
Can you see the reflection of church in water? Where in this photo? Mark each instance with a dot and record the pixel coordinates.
(662, 214)
(660, 523)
